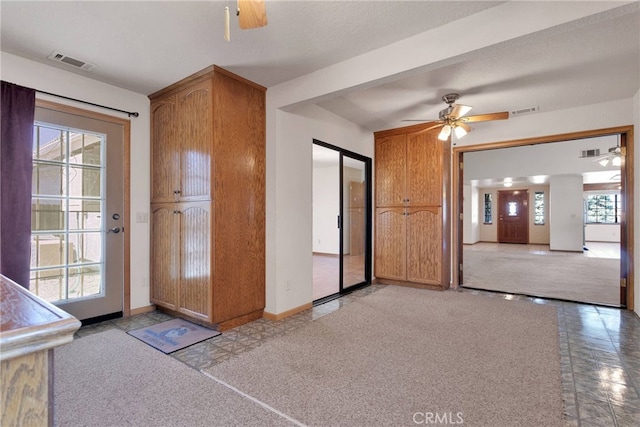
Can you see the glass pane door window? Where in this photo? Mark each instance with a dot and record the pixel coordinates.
(354, 223)
(68, 196)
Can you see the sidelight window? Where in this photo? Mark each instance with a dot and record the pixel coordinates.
(538, 206)
(487, 208)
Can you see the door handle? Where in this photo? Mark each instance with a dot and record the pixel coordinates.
(114, 230)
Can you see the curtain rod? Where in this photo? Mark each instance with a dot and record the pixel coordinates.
(129, 113)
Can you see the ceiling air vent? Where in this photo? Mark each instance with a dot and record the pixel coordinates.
(525, 111)
(61, 57)
(590, 153)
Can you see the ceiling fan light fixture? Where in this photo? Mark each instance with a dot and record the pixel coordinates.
(460, 132)
(616, 161)
(445, 133)
(604, 162)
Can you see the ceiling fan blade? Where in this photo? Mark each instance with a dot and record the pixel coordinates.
(420, 120)
(429, 128)
(251, 14)
(465, 126)
(460, 110)
(487, 117)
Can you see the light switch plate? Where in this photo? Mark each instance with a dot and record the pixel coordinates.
(142, 217)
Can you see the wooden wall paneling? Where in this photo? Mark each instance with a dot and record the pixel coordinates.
(165, 156)
(424, 245)
(195, 257)
(196, 141)
(165, 250)
(390, 166)
(239, 192)
(390, 254)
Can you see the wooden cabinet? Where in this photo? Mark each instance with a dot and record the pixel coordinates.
(208, 198)
(181, 256)
(30, 329)
(411, 183)
(181, 132)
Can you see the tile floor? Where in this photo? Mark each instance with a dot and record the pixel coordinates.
(599, 352)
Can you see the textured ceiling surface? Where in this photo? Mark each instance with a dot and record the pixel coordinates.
(144, 46)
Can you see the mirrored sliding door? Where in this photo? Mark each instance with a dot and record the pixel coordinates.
(341, 221)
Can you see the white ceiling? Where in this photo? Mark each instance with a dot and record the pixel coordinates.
(144, 46)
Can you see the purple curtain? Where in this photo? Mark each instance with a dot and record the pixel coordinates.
(16, 142)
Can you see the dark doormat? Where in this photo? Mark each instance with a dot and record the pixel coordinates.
(173, 335)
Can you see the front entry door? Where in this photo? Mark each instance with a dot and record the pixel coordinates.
(513, 216)
(77, 243)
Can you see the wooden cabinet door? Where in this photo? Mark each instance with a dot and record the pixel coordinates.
(390, 170)
(195, 134)
(195, 259)
(165, 254)
(424, 245)
(390, 250)
(165, 151)
(424, 169)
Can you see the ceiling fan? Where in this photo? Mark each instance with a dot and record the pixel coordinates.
(453, 118)
(250, 13)
(613, 156)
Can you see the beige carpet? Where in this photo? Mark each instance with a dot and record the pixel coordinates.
(570, 277)
(111, 379)
(401, 356)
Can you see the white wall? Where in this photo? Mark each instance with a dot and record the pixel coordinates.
(602, 233)
(566, 224)
(472, 215)
(326, 206)
(289, 195)
(32, 74)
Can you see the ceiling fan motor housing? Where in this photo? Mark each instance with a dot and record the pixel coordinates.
(444, 114)
(450, 98)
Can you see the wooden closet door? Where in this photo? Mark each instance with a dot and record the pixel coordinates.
(195, 132)
(165, 151)
(390, 253)
(390, 167)
(165, 261)
(424, 169)
(195, 259)
(424, 245)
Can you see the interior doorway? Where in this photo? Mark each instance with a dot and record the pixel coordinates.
(341, 221)
(577, 226)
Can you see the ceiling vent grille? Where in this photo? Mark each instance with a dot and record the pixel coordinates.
(525, 111)
(590, 153)
(61, 57)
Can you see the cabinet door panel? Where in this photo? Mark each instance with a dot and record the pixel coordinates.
(424, 245)
(390, 169)
(165, 153)
(195, 259)
(165, 265)
(424, 169)
(195, 134)
(390, 254)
